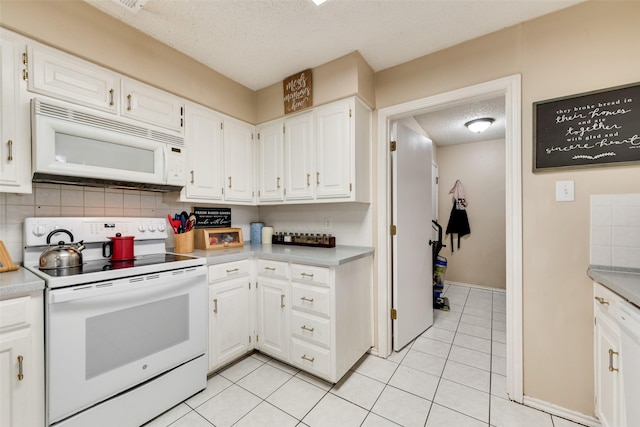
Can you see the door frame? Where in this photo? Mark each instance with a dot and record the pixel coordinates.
(510, 87)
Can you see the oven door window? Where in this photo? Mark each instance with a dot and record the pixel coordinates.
(121, 337)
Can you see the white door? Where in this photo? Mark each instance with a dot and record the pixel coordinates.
(333, 148)
(238, 161)
(271, 155)
(273, 317)
(299, 157)
(411, 214)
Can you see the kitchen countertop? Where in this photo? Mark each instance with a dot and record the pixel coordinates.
(325, 257)
(623, 281)
(19, 282)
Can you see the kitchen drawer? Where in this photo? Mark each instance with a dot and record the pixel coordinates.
(273, 268)
(228, 270)
(308, 273)
(15, 313)
(311, 358)
(605, 300)
(311, 328)
(311, 298)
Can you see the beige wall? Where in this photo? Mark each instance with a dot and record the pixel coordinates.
(81, 29)
(590, 46)
(481, 259)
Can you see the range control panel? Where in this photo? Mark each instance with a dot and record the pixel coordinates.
(89, 230)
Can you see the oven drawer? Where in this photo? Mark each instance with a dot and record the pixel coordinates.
(311, 358)
(315, 299)
(228, 270)
(309, 273)
(273, 268)
(311, 328)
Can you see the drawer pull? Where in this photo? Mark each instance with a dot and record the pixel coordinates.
(215, 305)
(304, 327)
(270, 268)
(281, 301)
(310, 359)
(306, 299)
(602, 300)
(233, 270)
(20, 372)
(307, 275)
(611, 353)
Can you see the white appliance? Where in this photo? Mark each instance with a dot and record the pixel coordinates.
(124, 340)
(72, 144)
(629, 321)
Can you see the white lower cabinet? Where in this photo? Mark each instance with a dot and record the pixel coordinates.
(608, 385)
(273, 317)
(230, 311)
(22, 361)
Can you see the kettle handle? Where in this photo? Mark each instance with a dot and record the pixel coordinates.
(59, 230)
(106, 245)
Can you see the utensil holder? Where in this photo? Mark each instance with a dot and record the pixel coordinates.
(183, 242)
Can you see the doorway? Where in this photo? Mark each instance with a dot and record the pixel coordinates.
(509, 87)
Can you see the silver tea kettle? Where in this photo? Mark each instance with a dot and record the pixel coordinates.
(61, 256)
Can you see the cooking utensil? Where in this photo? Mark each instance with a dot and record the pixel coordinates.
(120, 248)
(63, 256)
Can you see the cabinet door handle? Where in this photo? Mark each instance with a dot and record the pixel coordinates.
(270, 268)
(229, 182)
(310, 359)
(611, 353)
(20, 371)
(306, 299)
(10, 156)
(304, 327)
(233, 270)
(111, 97)
(278, 183)
(308, 180)
(215, 305)
(318, 178)
(192, 177)
(602, 300)
(128, 102)
(307, 275)
(281, 301)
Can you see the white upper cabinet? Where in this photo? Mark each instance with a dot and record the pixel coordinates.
(342, 131)
(299, 157)
(204, 157)
(238, 162)
(54, 73)
(271, 181)
(150, 105)
(15, 142)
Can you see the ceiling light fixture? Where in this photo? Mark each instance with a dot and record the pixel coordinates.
(479, 125)
(318, 2)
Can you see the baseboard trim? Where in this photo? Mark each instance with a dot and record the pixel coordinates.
(471, 285)
(561, 412)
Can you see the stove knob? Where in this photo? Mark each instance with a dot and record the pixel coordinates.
(141, 228)
(38, 230)
(152, 227)
(161, 227)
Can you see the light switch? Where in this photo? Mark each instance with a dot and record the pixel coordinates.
(564, 191)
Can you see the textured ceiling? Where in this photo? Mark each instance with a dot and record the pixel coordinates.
(260, 42)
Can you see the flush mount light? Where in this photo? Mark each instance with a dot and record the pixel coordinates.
(318, 2)
(479, 125)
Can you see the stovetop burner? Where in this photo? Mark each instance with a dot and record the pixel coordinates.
(94, 266)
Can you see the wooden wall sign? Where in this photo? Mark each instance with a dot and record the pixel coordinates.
(590, 129)
(298, 92)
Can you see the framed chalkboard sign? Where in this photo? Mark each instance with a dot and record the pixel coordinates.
(600, 128)
(212, 217)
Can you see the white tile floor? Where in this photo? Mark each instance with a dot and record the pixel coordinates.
(452, 375)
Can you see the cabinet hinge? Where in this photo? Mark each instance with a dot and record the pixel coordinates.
(437, 179)
(349, 112)
(249, 285)
(25, 58)
(394, 314)
(392, 146)
(283, 128)
(256, 285)
(25, 74)
(258, 136)
(222, 191)
(350, 187)
(393, 230)
(181, 122)
(221, 125)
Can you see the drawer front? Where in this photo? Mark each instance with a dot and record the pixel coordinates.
(15, 313)
(605, 300)
(310, 274)
(228, 270)
(312, 328)
(311, 358)
(315, 299)
(273, 268)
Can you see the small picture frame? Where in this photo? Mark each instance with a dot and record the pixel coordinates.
(218, 238)
(6, 264)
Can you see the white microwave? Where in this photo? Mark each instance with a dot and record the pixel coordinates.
(80, 146)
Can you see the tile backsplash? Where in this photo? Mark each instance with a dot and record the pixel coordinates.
(615, 230)
(351, 223)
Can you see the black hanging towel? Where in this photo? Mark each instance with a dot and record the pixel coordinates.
(458, 220)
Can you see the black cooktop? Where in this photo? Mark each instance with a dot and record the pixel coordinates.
(95, 266)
